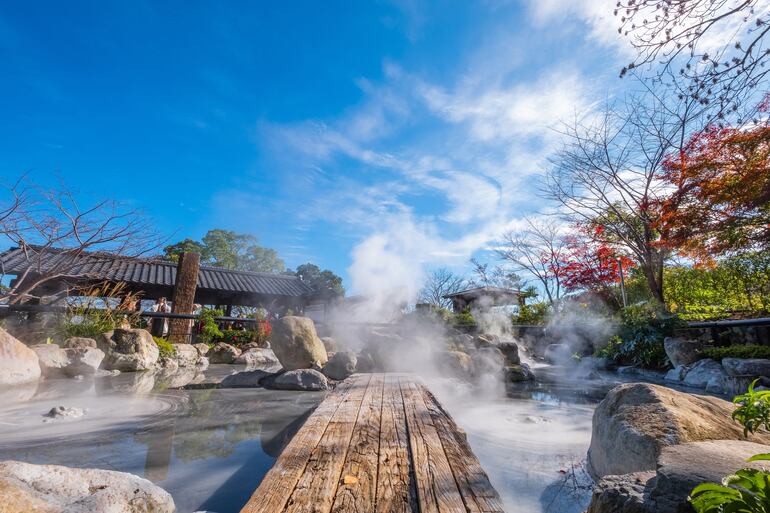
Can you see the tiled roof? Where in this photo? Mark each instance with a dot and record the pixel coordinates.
(154, 272)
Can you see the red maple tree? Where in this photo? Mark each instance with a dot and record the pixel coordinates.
(720, 199)
(590, 263)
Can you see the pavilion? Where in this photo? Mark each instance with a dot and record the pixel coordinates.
(484, 296)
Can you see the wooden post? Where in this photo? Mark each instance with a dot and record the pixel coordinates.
(184, 296)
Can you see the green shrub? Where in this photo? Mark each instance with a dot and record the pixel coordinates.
(464, 318)
(238, 337)
(531, 314)
(748, 490)
(209, 329)
(738, 351)
(165, 347)
(88, 323)
(640, 336)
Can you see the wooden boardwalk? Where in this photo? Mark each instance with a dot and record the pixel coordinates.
(379, 443)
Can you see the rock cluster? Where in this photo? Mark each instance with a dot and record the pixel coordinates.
(18, 363)
(128, 350)
(53, 488)
(643, 431)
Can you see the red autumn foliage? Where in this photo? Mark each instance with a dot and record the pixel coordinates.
(720, 201)
(592, 264)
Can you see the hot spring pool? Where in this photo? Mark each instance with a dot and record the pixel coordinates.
(210, 447)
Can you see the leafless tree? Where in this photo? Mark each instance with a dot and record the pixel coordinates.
(716, 46)
(439, 283)
(45, 223)
(608, 174)
(537, 250)
(485, 275)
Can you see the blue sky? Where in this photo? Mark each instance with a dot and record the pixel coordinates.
(375, 139)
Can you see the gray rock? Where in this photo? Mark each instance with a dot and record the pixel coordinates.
(487, 360)
(201, 348)
(702, 372)
(18, 363)
(621, 494)
(296, 344)
(681, 351)
(246, 379)
(53, 488)
(128, 350)
(186, 355)
(52, 359)
(456, 364)
(365, 363)
(746, 367)
(636, 420)
(520, 372)
(341, 365)
(259, 358)
(511, 352)
(62, 412)
(682, 467)
(83, 361)
(298, 379)
(485, 340)
(223, 353)
(203, 363)
(330, 344)
(75, 342)
(676, 374)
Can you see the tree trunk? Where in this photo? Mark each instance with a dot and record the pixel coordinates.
(184, 296)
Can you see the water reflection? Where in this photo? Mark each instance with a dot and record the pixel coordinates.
(208, 447)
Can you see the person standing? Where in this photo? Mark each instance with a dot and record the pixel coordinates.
(159, 327)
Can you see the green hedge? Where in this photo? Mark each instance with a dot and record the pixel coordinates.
(739, 351)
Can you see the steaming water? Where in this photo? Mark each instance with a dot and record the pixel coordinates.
(532, 443)
(210, 447)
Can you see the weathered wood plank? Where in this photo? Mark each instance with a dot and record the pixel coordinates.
(316, 488)
(358, 485)
(276, 487)
(436, 487)
(476, 490)
(396, 492)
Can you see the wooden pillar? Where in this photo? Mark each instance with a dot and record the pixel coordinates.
(184, 296)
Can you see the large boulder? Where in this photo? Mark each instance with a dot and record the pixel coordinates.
(636, 420)
(682, 351)
(128, 350)
(71, 361)
(520, 372)
(54, 489)
(456, 364)
(746, 367)
(296, 344)
(510, 351)
(704, 372)
(186, 355)
(18, 363)
(298, 379)
(679, 469)
(341, 365)
(259, 358)
(52, 359)
(83, 361)
(74, 342)
(246, 379)
(223, 353)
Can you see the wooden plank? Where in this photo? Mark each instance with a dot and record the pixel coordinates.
(358, 485)
(476, 490)
(275, 489)
(396, 491)
(436, 487)
(316, 488)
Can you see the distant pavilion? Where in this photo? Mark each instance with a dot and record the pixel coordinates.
(484, 297)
